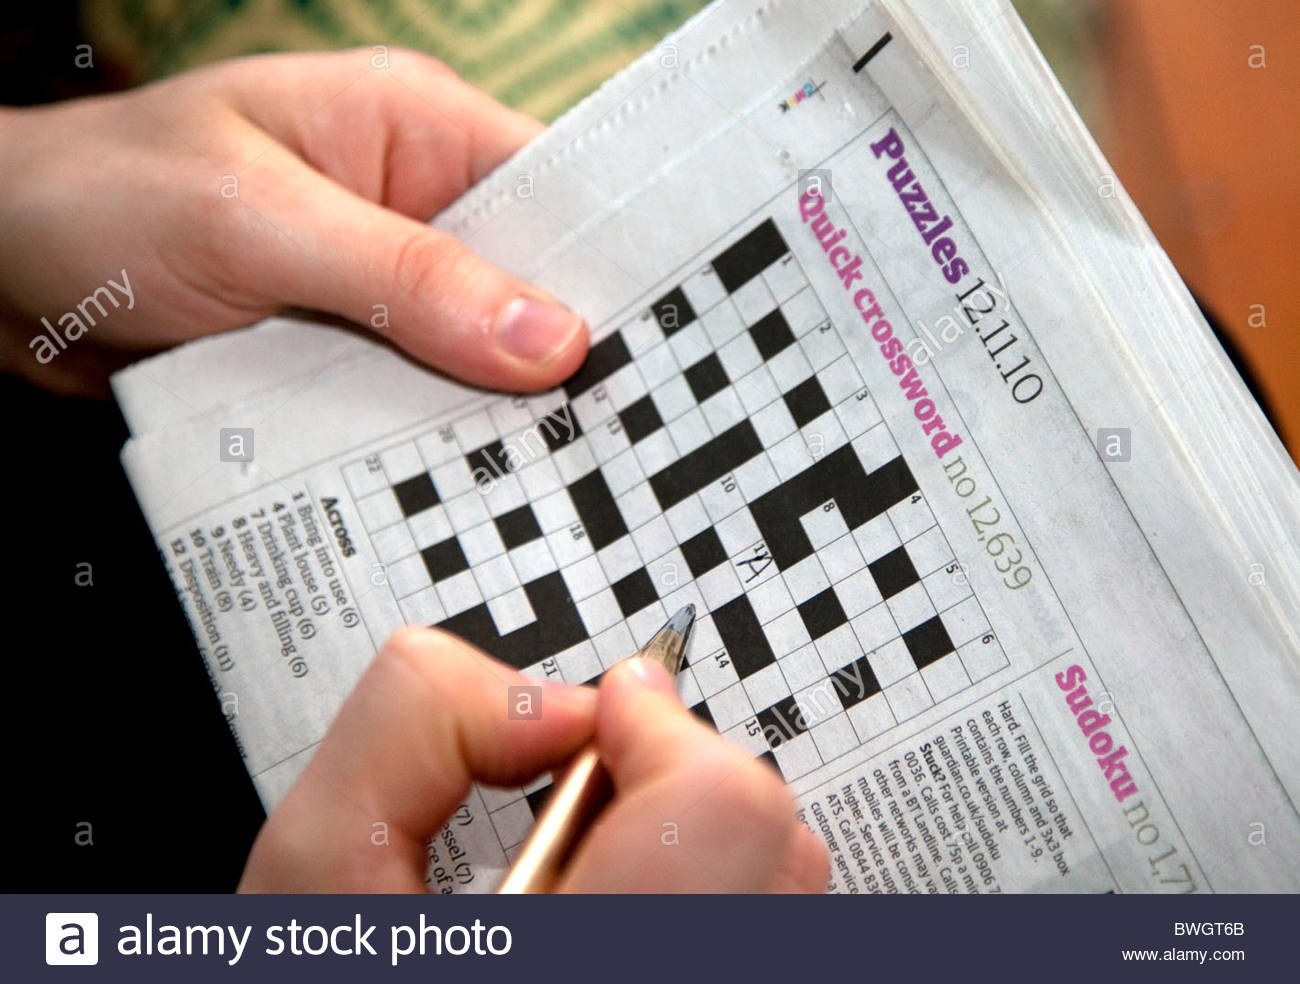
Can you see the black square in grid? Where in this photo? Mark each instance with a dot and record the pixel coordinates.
(928, 642)
(444, 559)
(559, 427)
(640, 419)
(673, 311)
(538, 797)
(893, 572)
(416, 494)
(703, 552)
(701, 711)
(855, 682)
(822, 613)
(807, 401)
(771, 334)
(782, 721)
(635, 592)
(767, 758)
(518, 526)
(706, 377)
(490, 459)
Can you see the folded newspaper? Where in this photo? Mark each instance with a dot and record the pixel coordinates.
(996, 557)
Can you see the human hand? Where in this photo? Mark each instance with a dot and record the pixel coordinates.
(429, 717)
(229, 193)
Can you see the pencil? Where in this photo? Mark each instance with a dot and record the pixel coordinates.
(585, 788)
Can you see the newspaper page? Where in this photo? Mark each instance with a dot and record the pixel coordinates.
(814, 408)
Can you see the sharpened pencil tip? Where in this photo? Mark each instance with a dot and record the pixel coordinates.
(682, 621)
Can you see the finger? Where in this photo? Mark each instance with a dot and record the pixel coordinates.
(324, 247)
(396, 126)
(691, 812)
(429, 716)
(806, 867)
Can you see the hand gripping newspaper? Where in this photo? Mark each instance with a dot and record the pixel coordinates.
(995, 556)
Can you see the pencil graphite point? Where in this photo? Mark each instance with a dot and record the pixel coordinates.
(668, 646)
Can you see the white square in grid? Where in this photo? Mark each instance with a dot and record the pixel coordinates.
(982, 659)
(908, 697)
(689, 431)
(703, 288)
(797, 757)
(786, 633)
(579, 663)
(834, 738)
(566, 549)
(653, 538)
(818, 702)
(436, 448)
(623, 472)
(770, 599)
(723, 410)
(874, 628)
(858, 592)
(789, 368)
(790, 456)
(668, 572)
(608, 440)
(945, 677)
(857, 414)
(362, 480)
(805, 579)
(678, 596)
(740, 356)
(756, 477)
(599, 611)
(532, 560)
(876, 537)
(590, 409)
(773, 423)
(555, 512)
(392, 543)
(753, 300)
(755, 566)
(891, 663)
(459, 593)
(474, 431)
(379, 510)
(757, 389)
(802, 667)
(481, 542)
(929, 551)
(965, 621)
(718, 586)
(467, 510)
(638, 506)
(642, 332)
(656, 452)
(872, 717)
(840, 380)
(841, 558)
(645, 623)
(714, 673)
(504, 494)
(730, 707)
(619, 559)
(686, 518)
(657, 365)
(688, 689)
(803, 311)
(721, 498)
(785, 278)
(690, 345)
(911, 519)
(407, 576)
(574, 460)
(402, 462)
(947, 585)
(766, 687)
(824, 525)
(584, 578)
(875, 448)
(838, 647)
(738, 533)
(512, 822)
(629, 387)
(511, 414)
(722, 324)
(422, 608)
(672, 398)
(910, 607)
(539, 479)
(822, 347)
(824, 434)
(452, 479)
(496, 797)
(614, 644)
(495, 577)
(511, 611)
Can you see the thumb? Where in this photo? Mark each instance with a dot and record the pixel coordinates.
(422, 288)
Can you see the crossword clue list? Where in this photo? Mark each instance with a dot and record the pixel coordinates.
(719, 449)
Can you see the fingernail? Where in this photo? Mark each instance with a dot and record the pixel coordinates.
(535, 330)
(649, 674)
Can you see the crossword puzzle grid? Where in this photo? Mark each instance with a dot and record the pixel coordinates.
(721, 449)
